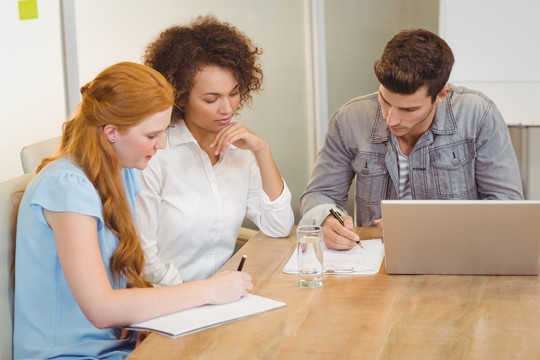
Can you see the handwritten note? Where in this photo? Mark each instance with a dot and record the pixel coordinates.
(353, 261)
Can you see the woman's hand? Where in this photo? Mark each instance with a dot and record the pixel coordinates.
(227, 286)
(238, 135)
(243, 138)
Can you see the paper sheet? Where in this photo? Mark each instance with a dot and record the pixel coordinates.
(353, 261)
(203, 317)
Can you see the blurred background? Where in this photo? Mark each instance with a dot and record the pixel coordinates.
(316, 56)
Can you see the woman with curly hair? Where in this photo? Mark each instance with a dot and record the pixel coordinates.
(78, 258)
(213, 171)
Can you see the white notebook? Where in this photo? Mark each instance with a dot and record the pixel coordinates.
(353, 261)
(207, 316)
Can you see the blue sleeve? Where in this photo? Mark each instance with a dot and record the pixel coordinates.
(66, 191)
(133, 181)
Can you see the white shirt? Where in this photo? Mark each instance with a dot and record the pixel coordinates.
(189, 212)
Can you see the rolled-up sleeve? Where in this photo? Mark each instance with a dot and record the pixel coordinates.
(274, 218)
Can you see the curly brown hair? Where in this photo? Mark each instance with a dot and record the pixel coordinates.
(412, 59)
(180, 52)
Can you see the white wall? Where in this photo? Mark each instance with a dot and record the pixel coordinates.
(102, 32)
(32, 99)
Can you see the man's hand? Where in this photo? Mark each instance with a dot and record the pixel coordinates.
(339, 237)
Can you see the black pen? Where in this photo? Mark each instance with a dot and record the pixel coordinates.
(241, 265)
(337, 215)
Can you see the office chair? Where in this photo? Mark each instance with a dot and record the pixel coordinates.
(9, 201)
(32, 155)
(243, 236)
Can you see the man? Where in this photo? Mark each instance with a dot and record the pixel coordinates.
(416, 138)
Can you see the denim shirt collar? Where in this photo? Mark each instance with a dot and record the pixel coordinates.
(444, 122)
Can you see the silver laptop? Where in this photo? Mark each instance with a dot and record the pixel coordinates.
(475, 237)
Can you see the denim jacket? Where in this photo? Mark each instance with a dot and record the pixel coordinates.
(465, 154)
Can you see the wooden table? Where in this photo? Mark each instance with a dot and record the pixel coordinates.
(368, 316)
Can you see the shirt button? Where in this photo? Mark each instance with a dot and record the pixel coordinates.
(455, 162)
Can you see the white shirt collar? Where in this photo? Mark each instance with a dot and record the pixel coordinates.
(179, 134)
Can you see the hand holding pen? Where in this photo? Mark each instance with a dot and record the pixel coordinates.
(338, 217)
(226, 286)
(338, 235)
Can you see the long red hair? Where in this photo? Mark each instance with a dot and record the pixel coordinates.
(122, 95)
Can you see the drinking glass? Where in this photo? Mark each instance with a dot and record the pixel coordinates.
(310, 255)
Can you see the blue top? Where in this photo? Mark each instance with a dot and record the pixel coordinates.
(48, 322)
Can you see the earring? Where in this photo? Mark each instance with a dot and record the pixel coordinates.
(111, 141)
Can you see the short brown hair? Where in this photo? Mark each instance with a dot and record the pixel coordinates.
(180, 52)
(412, 59)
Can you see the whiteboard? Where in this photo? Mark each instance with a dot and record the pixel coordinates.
(492, 40)
(496, 50)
